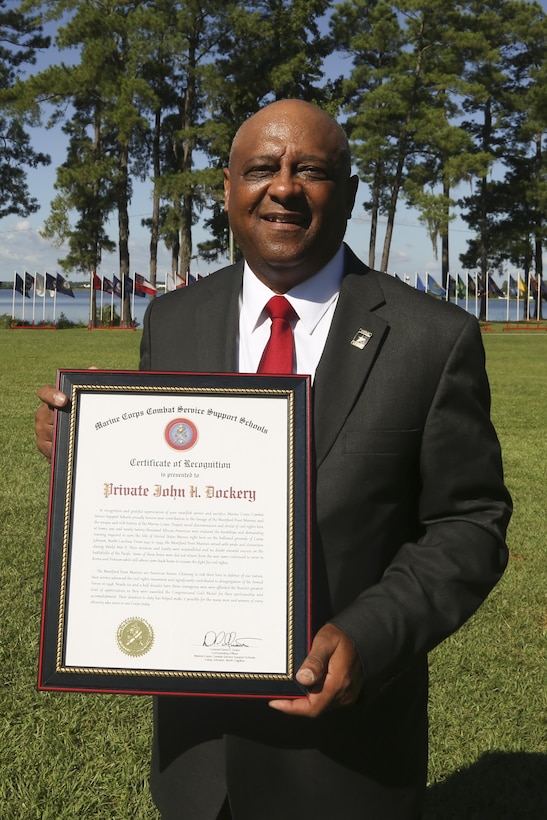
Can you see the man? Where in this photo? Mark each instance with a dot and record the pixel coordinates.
(410, 510)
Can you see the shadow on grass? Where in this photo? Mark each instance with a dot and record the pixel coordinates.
(499, 786)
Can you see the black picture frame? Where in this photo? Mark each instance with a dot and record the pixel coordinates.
(77, 621)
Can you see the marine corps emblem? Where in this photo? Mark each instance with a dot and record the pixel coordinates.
(181, 434)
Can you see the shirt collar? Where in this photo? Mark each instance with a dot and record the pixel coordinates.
(311, 298)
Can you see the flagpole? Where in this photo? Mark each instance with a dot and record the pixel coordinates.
(24, 297)
(508, 299)
(13, 296)
(34, 300)
(44, 300)
(91, 296)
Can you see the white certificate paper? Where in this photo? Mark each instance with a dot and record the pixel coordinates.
(179, 537)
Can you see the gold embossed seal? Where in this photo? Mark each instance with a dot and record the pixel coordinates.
(135, 636)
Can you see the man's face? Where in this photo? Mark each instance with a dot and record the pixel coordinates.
(288, 192)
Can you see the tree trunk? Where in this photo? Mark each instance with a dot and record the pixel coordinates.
(445, 249)
(538, 241)
(155, 221)
(123, 230)
(375, 206)
(393, 204)
(189, 104)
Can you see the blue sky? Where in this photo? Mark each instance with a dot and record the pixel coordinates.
(22, 248)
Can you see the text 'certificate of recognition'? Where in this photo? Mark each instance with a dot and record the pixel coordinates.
(178, 540)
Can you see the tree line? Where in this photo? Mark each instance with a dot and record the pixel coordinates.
(438, 97)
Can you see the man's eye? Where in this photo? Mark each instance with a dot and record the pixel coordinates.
(258, 173)
(312, 172)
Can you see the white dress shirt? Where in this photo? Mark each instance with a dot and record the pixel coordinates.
(314, 300)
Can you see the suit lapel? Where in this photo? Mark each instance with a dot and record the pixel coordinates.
(344, 366)
(217, 321)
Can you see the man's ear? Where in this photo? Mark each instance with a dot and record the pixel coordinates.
(226, 188)
(353, 184)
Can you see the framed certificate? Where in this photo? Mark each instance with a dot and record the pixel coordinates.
(177, 555)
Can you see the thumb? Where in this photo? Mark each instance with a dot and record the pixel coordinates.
(311, 672)
(314, 668)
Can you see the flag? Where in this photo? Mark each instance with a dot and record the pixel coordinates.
(434, 288)
(472, 288)
(51, 282)
(64, 287)
(143, 286)
(522, 288)
(128, 285)
(513, 287)
(419, 284)
(461, 289)
(20, 286)
(108, 287)
(117, 286)
(543, 289)
(40, 285)
(493, 289)
(29, 281)
(451, 287)
(97, 285)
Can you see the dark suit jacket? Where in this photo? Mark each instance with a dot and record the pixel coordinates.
(410, 513)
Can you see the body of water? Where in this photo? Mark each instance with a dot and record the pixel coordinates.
(48, 309)
(77, 309)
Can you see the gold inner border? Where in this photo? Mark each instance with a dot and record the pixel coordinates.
(59, 667)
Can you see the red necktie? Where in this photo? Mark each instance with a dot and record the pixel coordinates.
(278, 355)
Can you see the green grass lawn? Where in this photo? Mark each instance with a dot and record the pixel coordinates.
(70, 756)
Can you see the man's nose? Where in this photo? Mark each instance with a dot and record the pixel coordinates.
(285, 185)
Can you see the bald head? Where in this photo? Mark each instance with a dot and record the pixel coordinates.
(288, 191)
(305, 113)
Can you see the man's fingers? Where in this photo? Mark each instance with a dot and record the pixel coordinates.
(43, 418)
(314, 668)
(51, 396)
(312, 671)
(332, 674)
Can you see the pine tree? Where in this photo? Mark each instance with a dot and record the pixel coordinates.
(271, 50)
(20, 38)
(499, 65)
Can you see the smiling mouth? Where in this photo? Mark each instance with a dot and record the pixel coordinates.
(293, 220)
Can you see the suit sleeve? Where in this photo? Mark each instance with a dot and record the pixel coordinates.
(434, 583)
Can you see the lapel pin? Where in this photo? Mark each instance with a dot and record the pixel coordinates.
(361, 338)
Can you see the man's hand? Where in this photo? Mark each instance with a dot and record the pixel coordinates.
(43, 419)
(332, 674)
